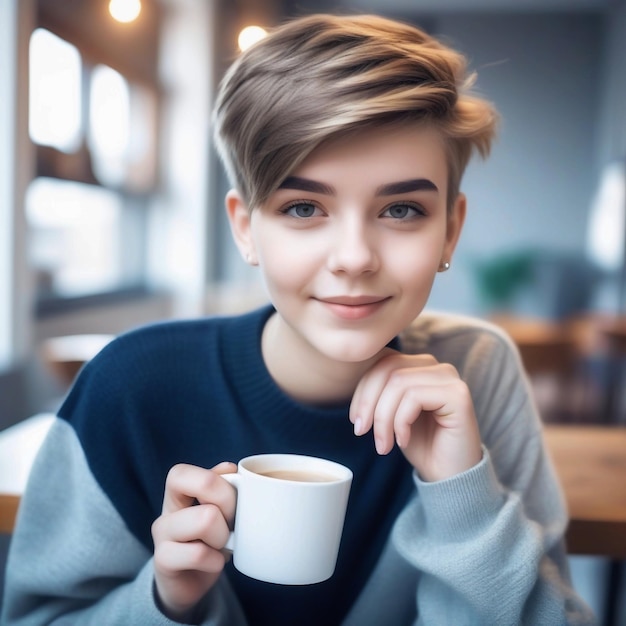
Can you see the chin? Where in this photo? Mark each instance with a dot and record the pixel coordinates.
(352, 350)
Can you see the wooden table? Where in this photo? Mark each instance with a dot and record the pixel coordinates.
(591, 464)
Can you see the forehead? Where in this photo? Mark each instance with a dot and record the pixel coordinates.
(379, 155)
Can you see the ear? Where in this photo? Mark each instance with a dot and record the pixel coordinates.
(454, 226)
(240, 225)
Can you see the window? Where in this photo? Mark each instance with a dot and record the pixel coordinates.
(606, 233)
(75, 238)
(94, 132)
(55, 92)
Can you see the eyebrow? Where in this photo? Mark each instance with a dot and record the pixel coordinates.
(390, 189)
(406, 186)
(306, 184)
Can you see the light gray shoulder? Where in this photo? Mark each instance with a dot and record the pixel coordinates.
(66, 525)
(450, 337)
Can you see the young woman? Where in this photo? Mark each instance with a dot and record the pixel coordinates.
(346, 139)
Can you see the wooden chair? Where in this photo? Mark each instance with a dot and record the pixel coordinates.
(9, 503)
(549, 353)
(601, 341)
(65, 355)
(613, 332)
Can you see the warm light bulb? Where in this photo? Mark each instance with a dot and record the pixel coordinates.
(250, 35)
(124, 10)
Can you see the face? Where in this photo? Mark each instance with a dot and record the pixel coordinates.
(350, 244)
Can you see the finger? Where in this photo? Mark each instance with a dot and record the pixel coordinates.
(172, 557)
(188, 484)
(204, 522)
(364, 401)
(385, 416)
(367, 393)
(447, 404)
(408, 412)
(225, 467)
(364, 395)
(407, 393)
(374, 381)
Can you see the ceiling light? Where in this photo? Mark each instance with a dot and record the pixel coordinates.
(124, 10)
(250, 35)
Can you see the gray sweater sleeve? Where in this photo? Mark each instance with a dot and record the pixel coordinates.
(489, 542)
(65, 528)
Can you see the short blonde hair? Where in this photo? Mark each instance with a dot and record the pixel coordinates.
(320, 76)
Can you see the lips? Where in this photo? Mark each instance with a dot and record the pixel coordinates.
(354, 307)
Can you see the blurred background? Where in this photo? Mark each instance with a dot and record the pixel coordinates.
(111, 196)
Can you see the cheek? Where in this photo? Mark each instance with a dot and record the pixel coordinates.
(414, 262)
(285, 263)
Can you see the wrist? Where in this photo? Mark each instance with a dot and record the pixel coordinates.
(451, 467)
(188, 615)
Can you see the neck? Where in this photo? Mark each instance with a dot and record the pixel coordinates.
(305, 374)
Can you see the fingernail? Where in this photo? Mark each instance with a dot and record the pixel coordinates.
(379, 446)
(358, 426)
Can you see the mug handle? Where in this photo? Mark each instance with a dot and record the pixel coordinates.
(233, 479)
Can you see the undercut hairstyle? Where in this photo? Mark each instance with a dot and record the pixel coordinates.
(319, 77)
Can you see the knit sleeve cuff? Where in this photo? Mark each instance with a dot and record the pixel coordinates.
(460, 505)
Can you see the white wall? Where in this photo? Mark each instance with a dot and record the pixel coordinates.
(16, 166)
(541, 71)
(180, 227)
(612, 136)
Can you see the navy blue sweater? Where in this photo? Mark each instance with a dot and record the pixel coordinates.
(198, 392)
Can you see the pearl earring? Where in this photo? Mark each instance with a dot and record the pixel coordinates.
(444, 267)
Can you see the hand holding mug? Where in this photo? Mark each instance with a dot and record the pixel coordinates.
(290, 511)
(190, 534)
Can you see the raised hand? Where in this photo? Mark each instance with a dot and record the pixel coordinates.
(424, 407)
(190, 534)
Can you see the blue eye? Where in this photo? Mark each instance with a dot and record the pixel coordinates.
(301, 210)
(402, 211)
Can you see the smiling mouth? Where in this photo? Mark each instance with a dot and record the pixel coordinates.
(354, 307)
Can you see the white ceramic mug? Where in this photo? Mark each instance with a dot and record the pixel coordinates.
(289, 517)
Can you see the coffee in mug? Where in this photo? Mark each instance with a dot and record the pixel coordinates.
(303, 476)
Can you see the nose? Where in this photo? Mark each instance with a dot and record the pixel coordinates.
(353, 249)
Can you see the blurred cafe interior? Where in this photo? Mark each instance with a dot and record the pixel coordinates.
(111, 208)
